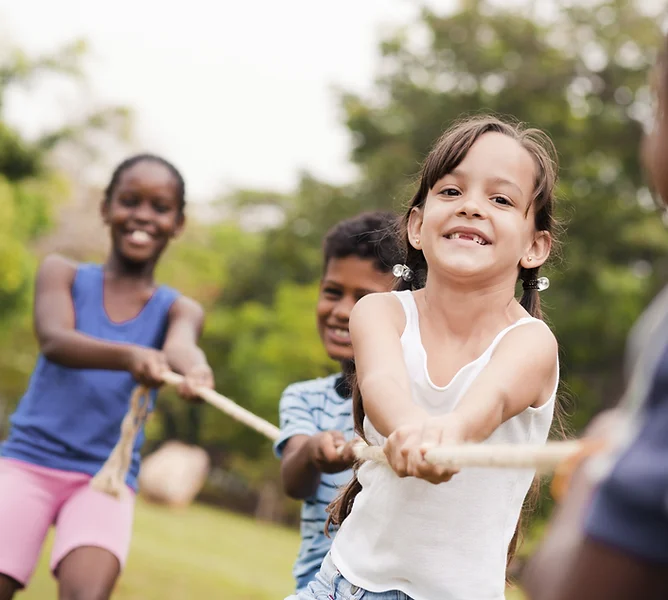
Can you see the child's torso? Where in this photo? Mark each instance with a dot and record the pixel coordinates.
(70, 418)
(446, 541)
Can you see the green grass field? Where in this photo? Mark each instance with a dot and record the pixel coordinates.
(198, 552)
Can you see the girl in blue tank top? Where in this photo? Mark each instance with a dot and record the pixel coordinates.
(101, 330)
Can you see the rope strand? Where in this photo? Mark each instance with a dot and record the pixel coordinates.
(543, 457)
(110, 479)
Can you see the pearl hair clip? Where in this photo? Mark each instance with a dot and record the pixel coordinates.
(402, 271)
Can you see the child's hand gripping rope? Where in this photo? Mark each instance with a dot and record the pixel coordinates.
(544, 458)
(111, 477)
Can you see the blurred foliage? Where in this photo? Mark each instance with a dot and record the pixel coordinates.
(581, 75)
(583, 78)
(32, 191)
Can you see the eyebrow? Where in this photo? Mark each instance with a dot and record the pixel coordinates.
(337, 284)
(502, 181)
(496, 180)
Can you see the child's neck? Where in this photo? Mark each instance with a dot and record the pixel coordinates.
(460, 310)
(117, 267)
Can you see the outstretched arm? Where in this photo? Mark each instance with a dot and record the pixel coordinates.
(186, 321)
(306, 451)
(522, 372)
(60, 342)
(376, 324)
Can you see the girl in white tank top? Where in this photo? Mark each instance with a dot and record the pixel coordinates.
(455, 358)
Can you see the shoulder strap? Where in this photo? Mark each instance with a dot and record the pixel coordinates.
(503, 332)
(410, 308)
(166, 296)
(88, 281)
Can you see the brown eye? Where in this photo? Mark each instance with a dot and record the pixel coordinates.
(128, 201)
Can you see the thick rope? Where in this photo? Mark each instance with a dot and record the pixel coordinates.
(543, 458)
(230, 408)
(110, 479)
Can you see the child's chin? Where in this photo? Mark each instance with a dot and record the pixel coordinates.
(339, 354)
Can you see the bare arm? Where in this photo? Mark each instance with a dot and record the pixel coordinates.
(186, 320)
(376, 324)
(522, 372)
(61, 343)
(54, 322)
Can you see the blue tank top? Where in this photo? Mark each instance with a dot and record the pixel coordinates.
(70, 419)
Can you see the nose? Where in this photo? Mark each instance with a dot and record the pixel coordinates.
(472, 205)
(143, 212)
(343, 308)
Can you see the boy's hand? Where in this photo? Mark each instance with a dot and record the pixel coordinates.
(330, 453)
(198, 377)
(407, 445)
(147, 365)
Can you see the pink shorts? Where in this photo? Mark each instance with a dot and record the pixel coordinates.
(33, 498)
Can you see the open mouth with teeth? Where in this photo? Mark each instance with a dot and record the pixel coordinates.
(467, 236)
(340, 335)
(140, 237)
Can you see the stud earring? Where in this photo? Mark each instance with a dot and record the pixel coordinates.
(530, 259)
(417, 241)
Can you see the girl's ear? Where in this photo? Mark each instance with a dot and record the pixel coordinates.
(538, 252)
(180, 224)
(414, 227)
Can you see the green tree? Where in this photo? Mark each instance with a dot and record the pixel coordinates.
(31, 190)
(583, 78)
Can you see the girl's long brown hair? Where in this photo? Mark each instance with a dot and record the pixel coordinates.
(448, 152)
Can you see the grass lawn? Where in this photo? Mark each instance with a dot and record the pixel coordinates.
(198, 552)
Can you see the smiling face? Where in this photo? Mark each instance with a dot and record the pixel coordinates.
(143, 212)
(345, 281)
(478, 219)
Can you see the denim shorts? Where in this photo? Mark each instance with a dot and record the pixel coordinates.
(329, 584)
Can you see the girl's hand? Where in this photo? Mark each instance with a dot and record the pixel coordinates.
(147, 365)
(407, 445)
(197, 377)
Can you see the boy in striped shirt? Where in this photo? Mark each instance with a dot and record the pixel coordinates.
(316, 416)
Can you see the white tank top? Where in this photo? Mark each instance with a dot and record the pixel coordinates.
(438, 542)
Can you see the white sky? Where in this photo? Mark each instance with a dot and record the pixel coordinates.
(235, 92)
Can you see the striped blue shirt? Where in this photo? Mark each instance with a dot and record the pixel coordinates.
(307, 408)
